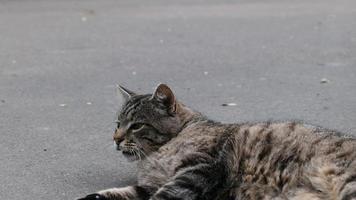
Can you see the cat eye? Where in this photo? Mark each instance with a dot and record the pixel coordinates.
(137, 126)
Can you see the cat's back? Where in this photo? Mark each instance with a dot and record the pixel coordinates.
(293, 159)
(251, 138)
(292, 134)
(290, 145)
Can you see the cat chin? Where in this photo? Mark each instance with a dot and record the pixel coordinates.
(130, 157)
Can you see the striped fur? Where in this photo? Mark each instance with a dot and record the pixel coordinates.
(183, 155)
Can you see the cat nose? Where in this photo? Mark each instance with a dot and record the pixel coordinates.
(118, 141)
(119, 136)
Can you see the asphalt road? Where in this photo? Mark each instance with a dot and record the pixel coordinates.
(60, 60)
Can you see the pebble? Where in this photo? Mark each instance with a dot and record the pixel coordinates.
(229, 104)
(324, 80)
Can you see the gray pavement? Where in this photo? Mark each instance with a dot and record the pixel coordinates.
(60, 60)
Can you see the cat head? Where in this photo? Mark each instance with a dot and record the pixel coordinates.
(146, 122)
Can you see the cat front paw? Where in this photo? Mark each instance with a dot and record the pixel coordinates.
(94, 196)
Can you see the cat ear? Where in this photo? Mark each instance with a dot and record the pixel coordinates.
(126, 93)
(164, 94)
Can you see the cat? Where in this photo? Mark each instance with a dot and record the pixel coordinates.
(182, 154)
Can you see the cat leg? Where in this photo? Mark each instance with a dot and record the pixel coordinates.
(196, 182)
(124, 193)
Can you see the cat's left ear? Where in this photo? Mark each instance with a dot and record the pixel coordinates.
(125, 93)
(164, 94)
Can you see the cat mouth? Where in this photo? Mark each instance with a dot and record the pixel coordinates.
(128, 153)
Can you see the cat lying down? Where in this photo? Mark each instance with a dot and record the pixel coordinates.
(182, 155)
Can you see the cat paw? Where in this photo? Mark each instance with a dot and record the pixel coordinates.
(94, 196)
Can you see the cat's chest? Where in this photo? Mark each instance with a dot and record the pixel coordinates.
(169, 157)
(158, 168)
(162, 165)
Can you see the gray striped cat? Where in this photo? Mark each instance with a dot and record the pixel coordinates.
(183, 155)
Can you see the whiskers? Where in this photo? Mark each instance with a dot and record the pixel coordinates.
(136, 152)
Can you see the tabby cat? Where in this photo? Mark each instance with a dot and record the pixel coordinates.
(183, 155)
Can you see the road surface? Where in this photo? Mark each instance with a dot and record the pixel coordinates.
(60, 61)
